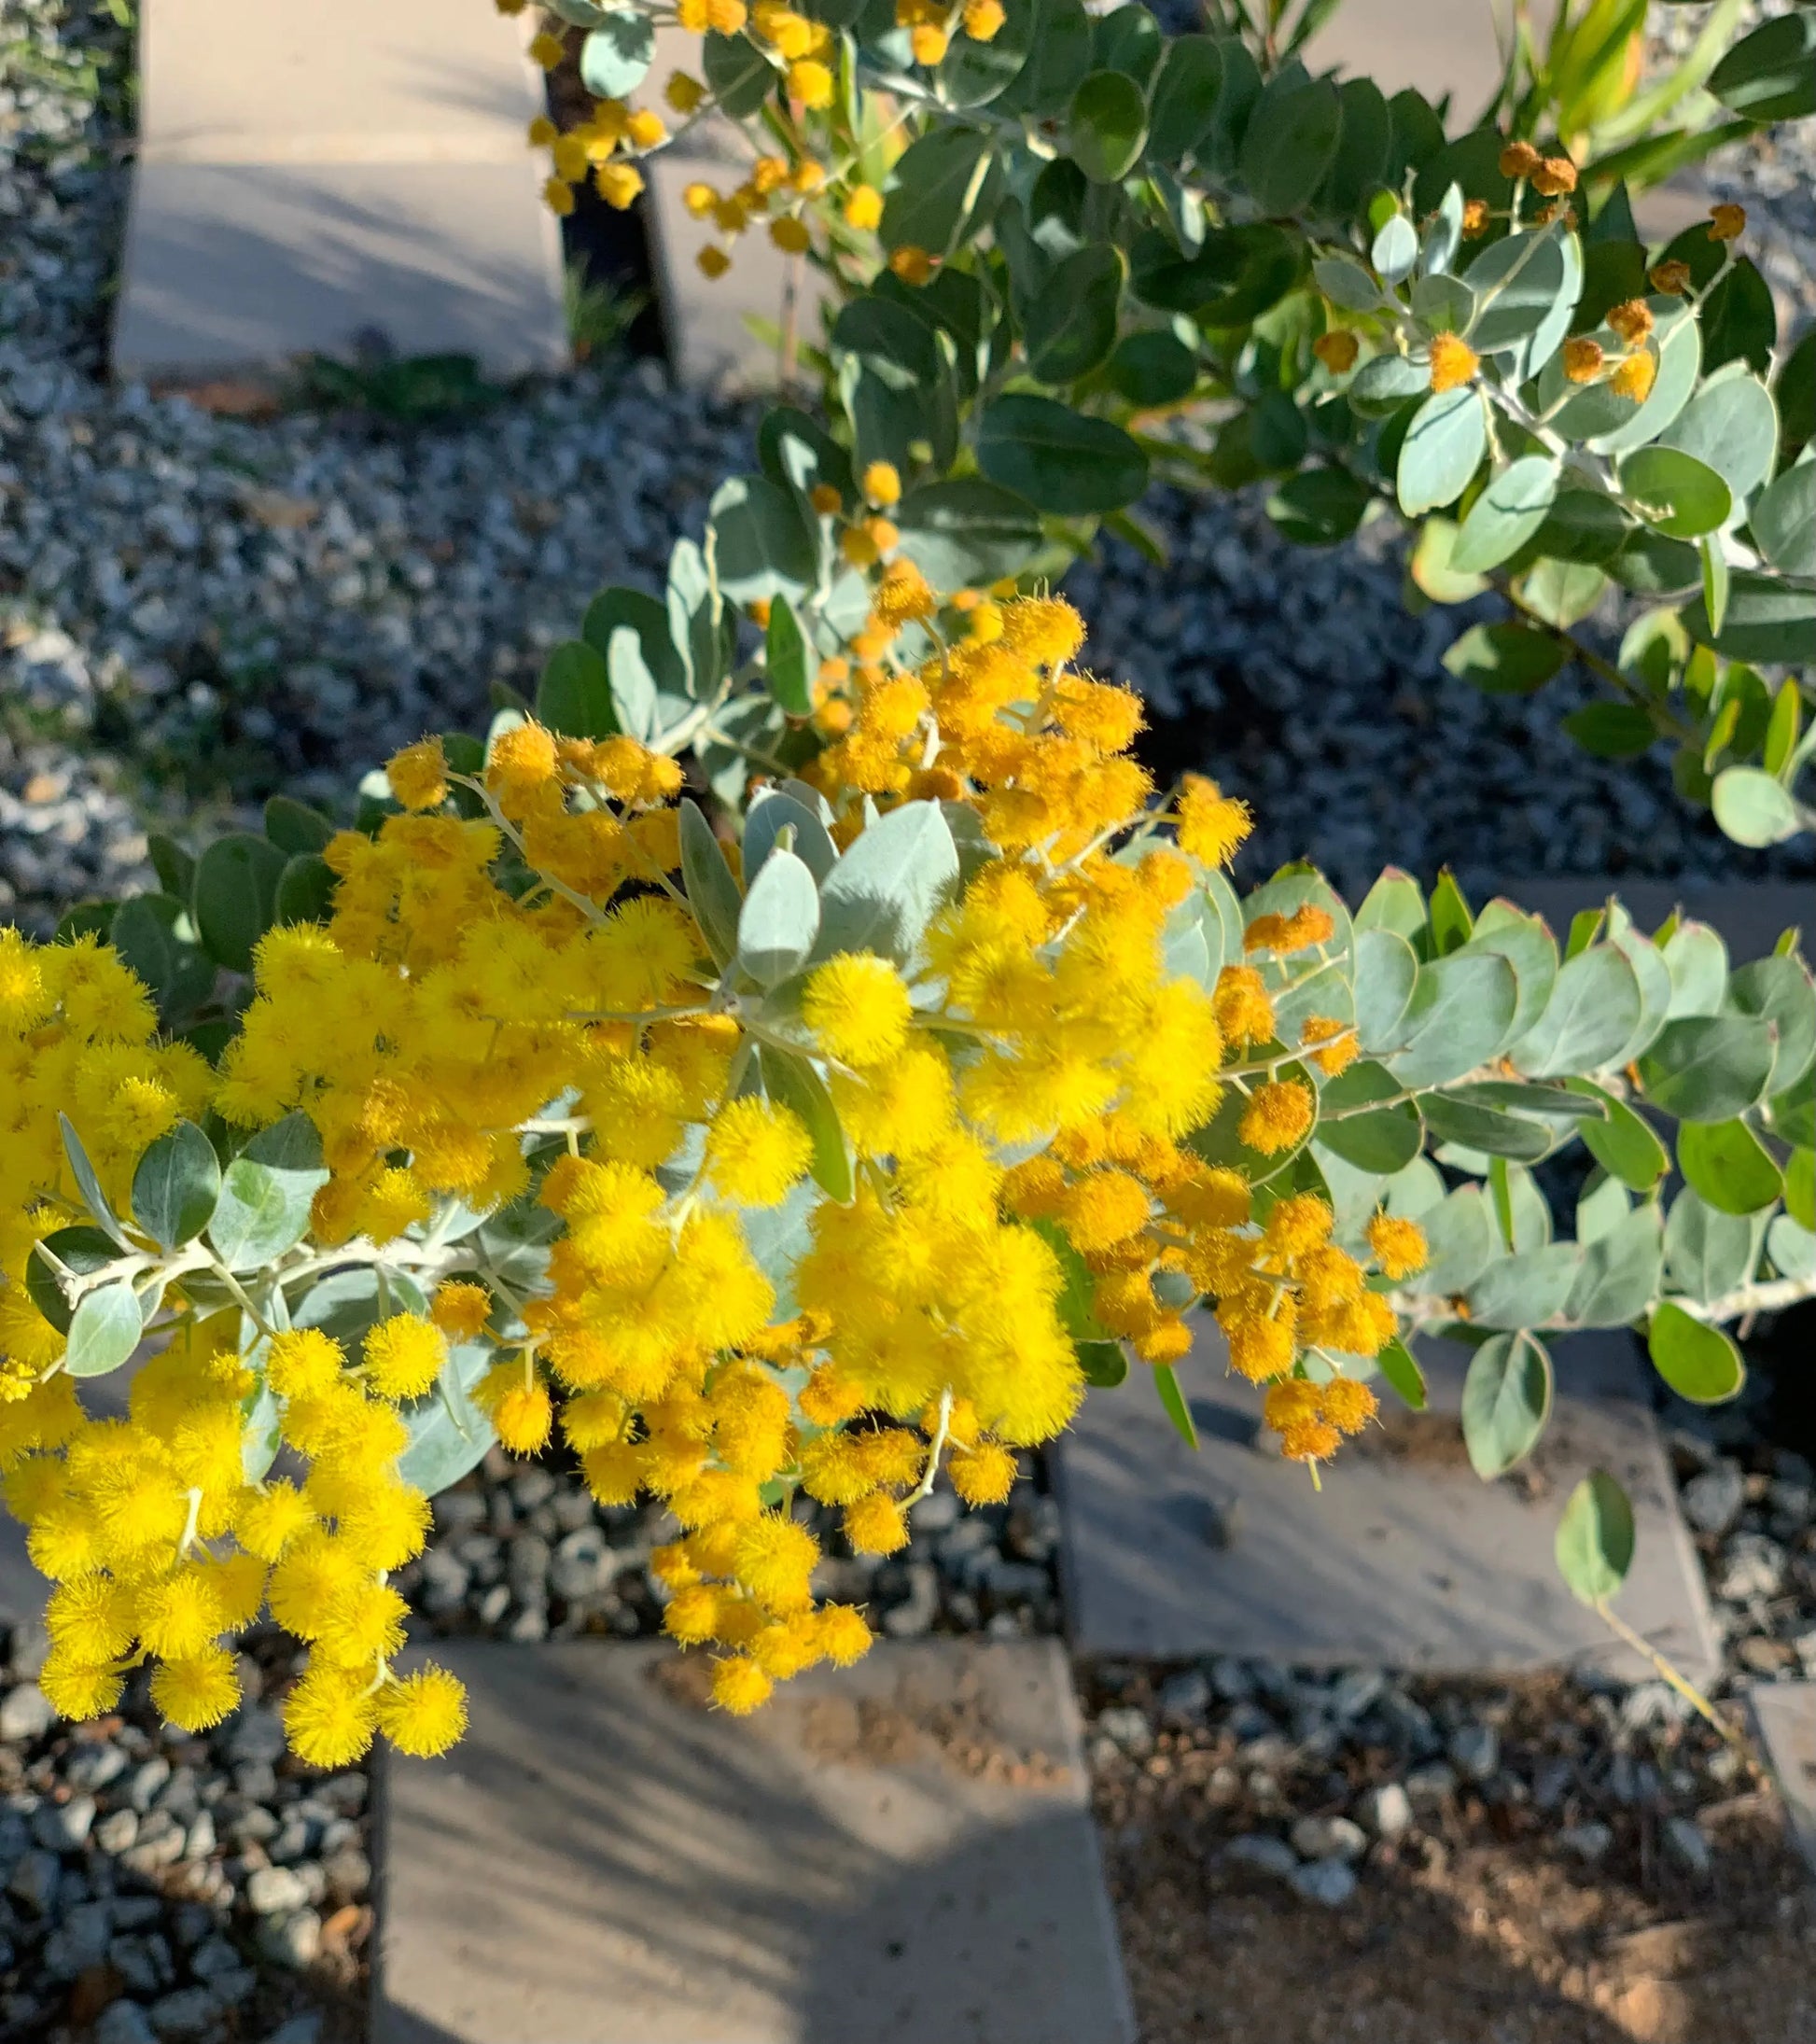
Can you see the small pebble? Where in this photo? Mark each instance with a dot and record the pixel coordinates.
(1331, 1882)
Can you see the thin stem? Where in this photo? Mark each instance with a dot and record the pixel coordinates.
(935, 1450)
(1684, 1688)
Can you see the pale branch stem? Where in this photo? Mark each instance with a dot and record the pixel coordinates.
(935, 1450)
(1666, 1672)
(1762, 1295)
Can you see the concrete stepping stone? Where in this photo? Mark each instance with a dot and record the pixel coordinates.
(309, 175)
(898, 1853)
(1405, 1559)
(1785, 1721)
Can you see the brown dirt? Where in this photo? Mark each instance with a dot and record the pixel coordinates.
(1475, 1929)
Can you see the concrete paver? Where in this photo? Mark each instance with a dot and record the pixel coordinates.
(1784, 1718)
(1405, 1559)
(897, 1854)
(307, 176)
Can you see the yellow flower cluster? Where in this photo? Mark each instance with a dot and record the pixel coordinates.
(520, 1009)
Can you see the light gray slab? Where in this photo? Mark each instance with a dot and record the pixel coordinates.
(1784, 1718)
(231, 267)
(1437, 47)
(604, 1862)
(1750, 913)
(1402, 1560)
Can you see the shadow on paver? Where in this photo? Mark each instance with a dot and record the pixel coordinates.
(603, 1862)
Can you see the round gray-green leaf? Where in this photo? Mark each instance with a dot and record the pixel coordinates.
(1784, 521)
(1395, 249)
(1506, 1402)
(1106, 126)
(779, 920)
(1595, 1539)
(265, 1193)
(104, 1331)
(1728, 1165)
(1506, 514)
(883, 893)
(615, 57)
(1443, 448)
(1291, 144)
(1698, 1362)
(1754, 809)
(176, 1185)
(1675, 492)
(1709, 1067)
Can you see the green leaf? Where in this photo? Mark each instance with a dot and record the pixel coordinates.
(1754, 809)
(1504, 659)
(1707, 1253)
(763, 547)
(1595, 1539)
(1784, 521)
(1698, 1362)
(87, 1181)
(740, 75)
(173, 866)
(1059, 58)
(306, 890)
(1362, 154)
(779, 920)
(795, 1081)
(1152, 367)
(1506, 514)
(1408, 1379)
(1364, 1118)
(1675, 492)
(265, 1193)
(766, 818)
(1728, 1165)
(176, 1186)
(1771, 74)
(1104, 1363)
(883, 893)
(711, 890)
(973, 74)
(1800, 1187)
(1618, 1278)
(1060, 459)
(1612, 731)
(1394, 249)
(1387, 968)
(966, 532)
(1292, 141)
(615, 57)
(1183, 103)
(1594, 1008)
(1709, 1067)
(1319, 506)
(1106, 126)
(790, 665)
(1623, 1143)
(1506, 1402)
(1071, 326)
(449, 1430)
(1460, 1010)
(1460, 1234)
(1731, 427)
(1476, 1127)
(1442, 451)
(1778, 989)
(295, 828)
(1172, 1403)
(1767, 621)
(103, 1330)
(1527, 1288)
(574, 695)
(1791, 1248)
(236, 897)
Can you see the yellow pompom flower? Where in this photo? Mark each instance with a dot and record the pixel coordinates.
(302, 1362)
(1635, 377)
(983, 1475)
(1104, 1207)
(844, 1638)
(756, 1150)
(404, 1356)
(739, 1686)
(773, 1561)
(329, 1715)
(1277, 1114)
(1399, 1245)
(876, 1524)
(547, 50)
(684, 93)
(881, 483)
(423, 1712)
(1212, 825)
(1347, 1404)
(984, 19)
(863, 208)
(617, 184)
(1582, 359)
(1454, 363)
(811, 82)
(419, 775)
(460, 1309)
(199, 1690)
(77, 1690)
(857, 1007)
(521, 1409)
(558, 196)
